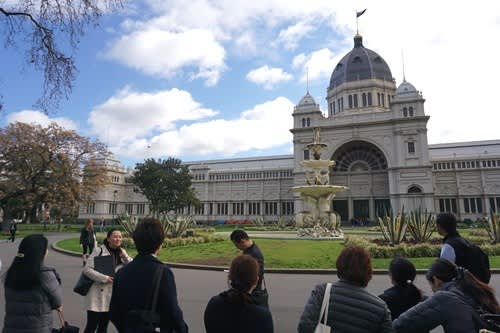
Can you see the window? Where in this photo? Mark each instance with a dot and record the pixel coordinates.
(364, 99)
(303, 122)
(141, 208)
(495, 204)
(238, 208)
(356, 100)
(91, 208)
(332, 106)
(287, 208)
(306, 154)
(115, 179)
(405, 112)
(350, 101)
(382, 98)
(254, 208)
(338, 102)
(129, 208)
(112, 208)
(448, 205)
(473, 205)
(414, 189)
(342, 103)
(222, 208)
(308, 122)
(270, 208)
(369, 99)
(411, 147)
(200, 210)
(378, 98)
(410, 111)
(210, 208)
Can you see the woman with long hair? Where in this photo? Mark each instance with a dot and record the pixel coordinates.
(351, 308)
(235, 310)
(99, 296)
(32, 290)
(403, 294)
(457, 297)
(87, 239)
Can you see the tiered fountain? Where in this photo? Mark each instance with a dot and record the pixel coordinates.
(318, 220)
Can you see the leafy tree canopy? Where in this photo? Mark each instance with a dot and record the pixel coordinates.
(36, 24)
(48, 166)
(165, 183)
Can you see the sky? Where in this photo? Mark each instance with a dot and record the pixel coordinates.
(203, 79)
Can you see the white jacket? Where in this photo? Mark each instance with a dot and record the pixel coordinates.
(99, 295)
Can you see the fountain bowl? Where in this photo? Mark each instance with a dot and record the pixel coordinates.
(318, 191)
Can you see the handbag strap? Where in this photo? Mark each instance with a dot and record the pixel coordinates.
(61, 319)
(156, 286)
(325, 304)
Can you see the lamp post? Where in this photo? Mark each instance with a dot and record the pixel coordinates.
(114, 206)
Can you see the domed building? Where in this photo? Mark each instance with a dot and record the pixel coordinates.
(375, 131)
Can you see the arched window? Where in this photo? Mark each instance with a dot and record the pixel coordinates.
(303, 122)
(364, 99)
(411, 111)
(414, 189)
(405, 112)
(308, 122)
(378, 98)
(350, 101)
(369, 99)
(356, 100)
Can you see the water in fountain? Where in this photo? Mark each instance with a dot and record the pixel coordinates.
(318, 220)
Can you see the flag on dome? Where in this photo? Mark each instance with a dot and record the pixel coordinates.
(358, 14)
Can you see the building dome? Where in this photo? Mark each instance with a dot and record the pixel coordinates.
(406, 89)
(360, 64)
(307, 100)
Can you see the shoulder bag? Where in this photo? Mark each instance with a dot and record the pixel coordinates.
(261, 296)
(323, 314)
(84, 283)
(65, 327)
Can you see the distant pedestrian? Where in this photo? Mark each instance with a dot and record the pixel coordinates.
(134, 286)
(32, 290)
(101, 225)
(99, 296)
(87, 239)
(235, 310)
(403, 294)
(351, 308)
(457, 296)
(12, 231)
(247, 246)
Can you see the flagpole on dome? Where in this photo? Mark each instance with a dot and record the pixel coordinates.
(358, 14)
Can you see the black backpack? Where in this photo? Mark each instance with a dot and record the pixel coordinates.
(475, 260)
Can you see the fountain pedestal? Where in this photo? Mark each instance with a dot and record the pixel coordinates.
(318, 220)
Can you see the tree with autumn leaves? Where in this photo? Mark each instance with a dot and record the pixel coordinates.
(48, 167)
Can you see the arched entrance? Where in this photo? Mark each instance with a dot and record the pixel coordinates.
(362, 167)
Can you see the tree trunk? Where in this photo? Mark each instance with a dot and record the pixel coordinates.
(32, 214)
(7, 219)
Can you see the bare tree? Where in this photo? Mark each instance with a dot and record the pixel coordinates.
(37, 23)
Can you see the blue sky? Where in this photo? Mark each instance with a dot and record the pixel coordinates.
(208, 79)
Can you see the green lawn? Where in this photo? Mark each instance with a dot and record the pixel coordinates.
(278, 254)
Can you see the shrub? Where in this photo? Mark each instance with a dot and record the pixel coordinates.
(421, 226)
(393, 227)
(493, 228)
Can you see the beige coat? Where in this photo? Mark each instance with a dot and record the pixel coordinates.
(99, 295)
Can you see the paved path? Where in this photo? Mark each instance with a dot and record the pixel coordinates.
(288, 293)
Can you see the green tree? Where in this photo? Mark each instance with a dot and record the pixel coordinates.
(165, 183)
(34, 25)
(46, 167)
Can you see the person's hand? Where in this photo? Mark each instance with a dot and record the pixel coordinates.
(123, 253)
(59, 309)
(110, 280)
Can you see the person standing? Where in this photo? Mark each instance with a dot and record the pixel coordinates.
(235, 309)
(99, 296)
(133, 285)
(87, 239)
(12, 231)
(247, 246)
(101, 225)
(403, 294)
(32, 290)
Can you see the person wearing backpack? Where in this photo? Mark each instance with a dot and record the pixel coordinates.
(460, 251)
(144, 296)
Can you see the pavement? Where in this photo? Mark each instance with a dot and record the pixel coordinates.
(288, 292)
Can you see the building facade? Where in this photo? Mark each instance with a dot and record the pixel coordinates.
(375, 131)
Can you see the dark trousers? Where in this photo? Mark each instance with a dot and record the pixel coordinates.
(97, 321)
(12, 236)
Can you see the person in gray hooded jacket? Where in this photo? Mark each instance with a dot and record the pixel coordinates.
(32, 290)
(458, 295)
(352, 309)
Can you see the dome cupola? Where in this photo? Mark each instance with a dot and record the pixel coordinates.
(307, 100)
(406, 89)
(360, 64)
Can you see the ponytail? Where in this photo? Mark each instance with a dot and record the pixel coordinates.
(482, 293)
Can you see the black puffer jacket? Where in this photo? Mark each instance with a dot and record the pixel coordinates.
(352, 309)
(449, 307)
(30, 311)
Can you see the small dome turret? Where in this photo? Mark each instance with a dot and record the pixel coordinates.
(406, 89)
(307, 100)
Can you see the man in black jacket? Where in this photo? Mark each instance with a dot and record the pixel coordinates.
(133, 284)
(454, 246)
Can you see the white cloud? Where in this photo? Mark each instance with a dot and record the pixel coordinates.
(268, 77)
(318, 64)
(164, 53)
(291, 36)
(263, 127)
(129, 115)
(39, 118)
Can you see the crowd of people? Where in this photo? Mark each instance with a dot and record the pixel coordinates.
(140, 294)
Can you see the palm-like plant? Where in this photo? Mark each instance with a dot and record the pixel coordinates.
(177, 225)
(421, 225)
(128, 223)
(493, 228)
(393, 227)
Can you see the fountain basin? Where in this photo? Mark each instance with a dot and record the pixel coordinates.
(317, 164)
(318, 191)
